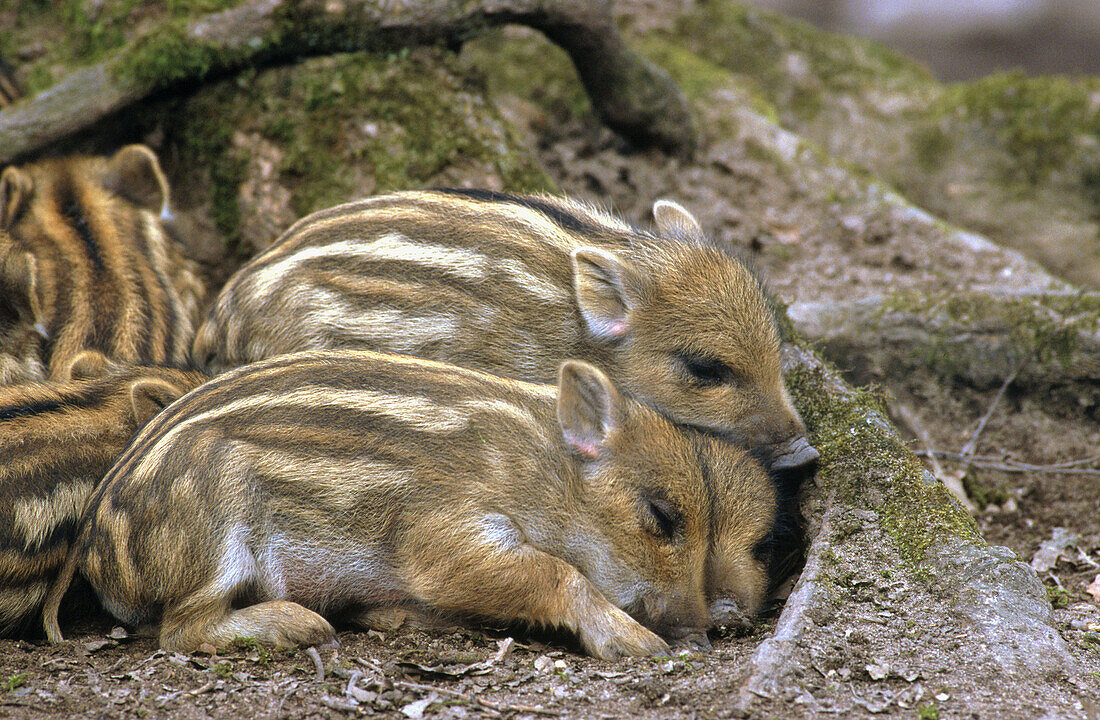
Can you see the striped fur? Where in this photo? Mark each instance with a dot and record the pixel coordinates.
(514, 285)
(349, 481)
(57, 440)
(87, 262)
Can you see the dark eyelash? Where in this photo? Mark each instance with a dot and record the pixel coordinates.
(707, 371)
(665, 515)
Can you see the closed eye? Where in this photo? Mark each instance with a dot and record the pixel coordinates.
(663, 518)
(707, 370)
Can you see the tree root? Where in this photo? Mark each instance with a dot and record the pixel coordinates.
(631, 96)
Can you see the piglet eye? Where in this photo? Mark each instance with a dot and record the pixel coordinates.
(663, 518)
(706, 370)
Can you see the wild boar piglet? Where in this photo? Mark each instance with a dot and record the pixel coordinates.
(513, 285)
(57, 440)
(89, 262)
(343, 482)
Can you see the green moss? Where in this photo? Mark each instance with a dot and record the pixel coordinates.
(191, 8)
(1090, 188)
(930, 146)
(928, 712)
(747, 40)
(982, 494)
(787, 330)
(265, 654)
(1059, 597)
(858, 452)
(806, 103)
(696, 76)
(387, 121)
(84, 35)
(1050, 324)
(699, 77)
(525, 64)
(78, 34)
(37, 79)
(1037, 120)
(205, 138)
(93, 35)
(168, 55)
(8, 43)
(419, 119)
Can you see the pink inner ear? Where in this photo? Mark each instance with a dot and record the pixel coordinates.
(610, 328)
(584, 448)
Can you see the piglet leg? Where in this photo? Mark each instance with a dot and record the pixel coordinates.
(507, 579)
(275, 622)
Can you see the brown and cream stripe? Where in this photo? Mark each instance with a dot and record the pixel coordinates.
(57, 440)
(92, 264)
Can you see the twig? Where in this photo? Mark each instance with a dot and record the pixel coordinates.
(953, 483)
(992, 463)
(293, 689)
(1071, 463)
(1040, 343)
(202, 690)
(972, 443)
(498, 708)
(474, 700)
(370, 666)
(316, 657)
(337, 704)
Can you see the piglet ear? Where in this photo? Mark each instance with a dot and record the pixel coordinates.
(135, 173)
(672, 218)
(16, 188)
(148, 396)
(589, 408)
(607, 289)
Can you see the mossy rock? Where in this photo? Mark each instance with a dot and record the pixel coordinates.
(65, 34)
(1012, 157)
(346, 126)
(850, 431)
(520, 63)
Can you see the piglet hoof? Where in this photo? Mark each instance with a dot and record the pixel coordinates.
(725, 614)
(696, 642)
(621, 636)
(275, 622)
(297, 626)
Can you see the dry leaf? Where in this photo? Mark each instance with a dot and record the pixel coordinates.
(1049, 552)
(1094, 589)
(415, 710)
(96, 645)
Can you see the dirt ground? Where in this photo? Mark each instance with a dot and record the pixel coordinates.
(103, 672)
(405, 674)
(809, 249)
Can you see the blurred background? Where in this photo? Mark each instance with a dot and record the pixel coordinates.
(959, 40)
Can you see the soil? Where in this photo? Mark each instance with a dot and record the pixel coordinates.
(405, 674)
(809, 247)
(94, 676)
